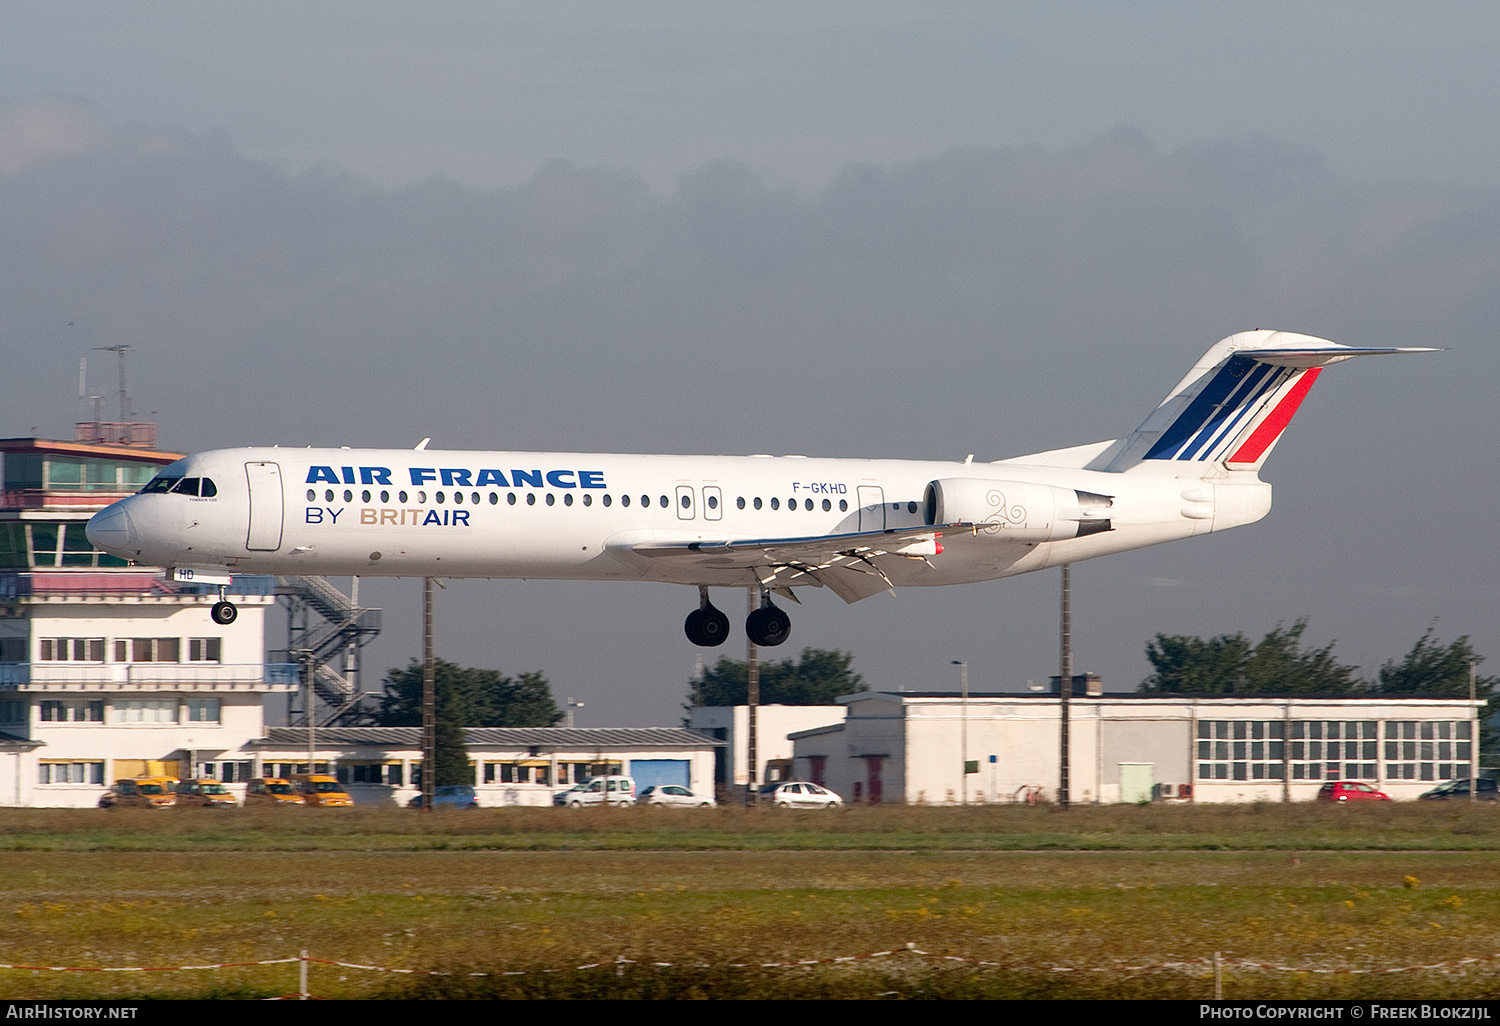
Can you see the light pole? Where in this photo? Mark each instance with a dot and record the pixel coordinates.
(571, 706)
(963, 679)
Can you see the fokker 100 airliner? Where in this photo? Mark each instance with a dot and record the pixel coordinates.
(856, 527)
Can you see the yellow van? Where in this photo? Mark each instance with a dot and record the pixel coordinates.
(141, 793)
(203, 793)
(320, 789)
(271, 791)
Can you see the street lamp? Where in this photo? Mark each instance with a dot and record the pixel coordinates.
(963, 677)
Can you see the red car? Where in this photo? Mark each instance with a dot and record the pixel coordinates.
(1350, 791)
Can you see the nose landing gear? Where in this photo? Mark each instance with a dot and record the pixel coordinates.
(223, 611)
(706, 626)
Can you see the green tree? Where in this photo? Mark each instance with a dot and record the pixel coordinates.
(1229, 665)
(466, 698)
(1432, 668)
(817, 678)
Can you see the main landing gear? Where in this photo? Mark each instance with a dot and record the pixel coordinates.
(223, 611)
(707, 626)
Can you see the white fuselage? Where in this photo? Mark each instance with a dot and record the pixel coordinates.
(588, 516)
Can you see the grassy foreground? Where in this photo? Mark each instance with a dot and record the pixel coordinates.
(1058, 904)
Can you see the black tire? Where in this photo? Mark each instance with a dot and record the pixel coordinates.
(768, 626)
(223, 613)
(706, 628)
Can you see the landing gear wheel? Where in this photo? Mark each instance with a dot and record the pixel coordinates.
(707, 627)
(768, 626)
(223, 613)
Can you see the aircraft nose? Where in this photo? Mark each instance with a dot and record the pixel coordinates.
(112, 531)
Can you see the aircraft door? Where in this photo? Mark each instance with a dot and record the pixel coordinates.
(684, 502)
(265, 507)
(871, 508)
(713, 503)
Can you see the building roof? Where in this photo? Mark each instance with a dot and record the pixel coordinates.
(1363, 697)
(571, 738)
(87, 450)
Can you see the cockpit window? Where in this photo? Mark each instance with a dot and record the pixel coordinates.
(160, 484)
(203, 487)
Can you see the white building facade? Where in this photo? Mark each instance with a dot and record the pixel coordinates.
(910, 747)
(774, 724)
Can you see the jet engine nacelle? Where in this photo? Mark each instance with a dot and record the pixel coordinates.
(1017, 511)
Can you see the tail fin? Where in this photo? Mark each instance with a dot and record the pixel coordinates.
(1236, 401)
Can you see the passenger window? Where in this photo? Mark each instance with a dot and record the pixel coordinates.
(385, 496)
(312, 496)
(713, 502)
(567, 498)
(791, 504)
(807, 505)
(328, 495)
(624, 500)
(510, 497)
(665, 502)
(911, 507)
(757, 502)
(775, 502)
(740, 502)
(686, 502)
(439, 498)
(364, 496)
(474, 498)
(843, 505)
(348, 495)
(606, 499)
(827, 505)
(588, 500)
(401, 496)
(551, 499)
(494, 498)
(531, 498)
(458, 497)
(422, 497)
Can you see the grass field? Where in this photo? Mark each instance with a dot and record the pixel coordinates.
(1061, 904)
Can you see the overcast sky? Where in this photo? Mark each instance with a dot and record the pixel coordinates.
(834, 229)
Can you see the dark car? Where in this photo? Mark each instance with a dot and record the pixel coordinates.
(453, 796)
(1459, 790)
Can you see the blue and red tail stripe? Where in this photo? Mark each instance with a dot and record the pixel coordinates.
(1224, 407)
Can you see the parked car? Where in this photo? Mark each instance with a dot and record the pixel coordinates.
(141, 793)
(1350, 791)
(799, 794)
(272, 791)
(453, 796)
(672, 794)
(1459, 789)
(203, 793)
(565, 795)
(617, 791)
(321, 789)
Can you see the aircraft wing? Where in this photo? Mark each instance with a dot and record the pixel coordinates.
(849, 565)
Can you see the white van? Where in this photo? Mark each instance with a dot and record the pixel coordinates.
(602, 791)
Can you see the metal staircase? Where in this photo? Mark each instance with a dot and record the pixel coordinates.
(326, 630)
